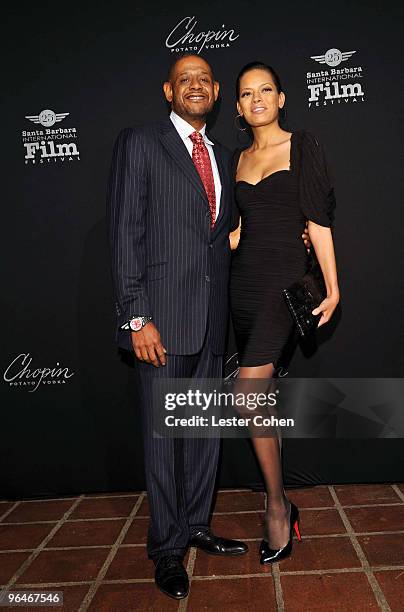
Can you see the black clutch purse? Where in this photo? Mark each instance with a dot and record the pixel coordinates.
(304, 296)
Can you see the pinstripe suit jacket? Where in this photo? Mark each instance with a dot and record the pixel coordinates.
(166, 261)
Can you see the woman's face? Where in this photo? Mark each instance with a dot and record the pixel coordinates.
(259, 101)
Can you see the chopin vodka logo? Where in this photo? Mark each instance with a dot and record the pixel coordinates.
(50, 144)
(186, 37)
(334, 85)
(22, 373)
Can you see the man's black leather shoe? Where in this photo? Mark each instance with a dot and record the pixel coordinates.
(205, 540)
(171, 577)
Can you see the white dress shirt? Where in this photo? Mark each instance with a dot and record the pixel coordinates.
(184, 129)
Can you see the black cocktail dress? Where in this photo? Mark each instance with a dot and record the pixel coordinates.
(271, 254)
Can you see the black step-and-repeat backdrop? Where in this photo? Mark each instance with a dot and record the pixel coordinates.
(74, 76)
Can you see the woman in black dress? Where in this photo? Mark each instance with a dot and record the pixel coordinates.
(281, 182)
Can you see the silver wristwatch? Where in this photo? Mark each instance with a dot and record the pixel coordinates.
(136, 323)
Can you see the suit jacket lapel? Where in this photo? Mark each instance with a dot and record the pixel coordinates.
(174, 145)
(223, 179)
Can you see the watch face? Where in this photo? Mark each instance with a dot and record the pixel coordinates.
(135, 324)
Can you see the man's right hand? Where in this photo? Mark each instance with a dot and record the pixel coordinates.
(147, 345)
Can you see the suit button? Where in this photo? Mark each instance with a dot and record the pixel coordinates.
(211, 246)
(207, 278)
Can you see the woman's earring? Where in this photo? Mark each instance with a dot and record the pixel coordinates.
(238, 125)
(283, 116)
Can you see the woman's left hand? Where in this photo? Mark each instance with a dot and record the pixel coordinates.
(326, 308)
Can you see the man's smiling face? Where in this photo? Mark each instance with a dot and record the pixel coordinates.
(191, 90)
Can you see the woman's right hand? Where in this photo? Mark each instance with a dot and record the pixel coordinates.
(234, 237)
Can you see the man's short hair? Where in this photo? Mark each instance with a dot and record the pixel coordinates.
(180, 57)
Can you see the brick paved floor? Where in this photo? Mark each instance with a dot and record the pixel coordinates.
(92, 547)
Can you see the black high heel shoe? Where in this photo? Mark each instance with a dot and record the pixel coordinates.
(270, 555)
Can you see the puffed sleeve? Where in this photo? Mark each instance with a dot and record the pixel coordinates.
(317, 198)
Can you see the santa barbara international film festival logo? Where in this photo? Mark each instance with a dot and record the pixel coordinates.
(23, 372)
(49, 144)
(186, 37)
(335, 83)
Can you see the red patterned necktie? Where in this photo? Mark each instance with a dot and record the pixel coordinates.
(201, 159)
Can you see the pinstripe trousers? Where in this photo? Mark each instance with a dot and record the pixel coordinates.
(180, 473)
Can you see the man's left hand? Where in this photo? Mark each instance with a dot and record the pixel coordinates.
(306, 238)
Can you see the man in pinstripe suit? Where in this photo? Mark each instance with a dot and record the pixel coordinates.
(169, 203)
